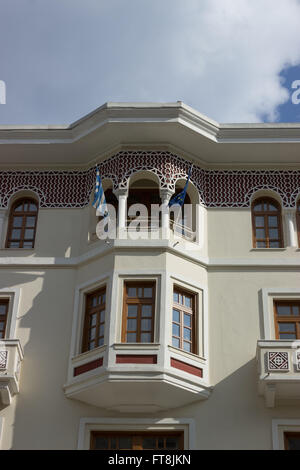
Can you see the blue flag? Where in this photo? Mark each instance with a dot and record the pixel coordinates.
(179, 198)
(99, 199)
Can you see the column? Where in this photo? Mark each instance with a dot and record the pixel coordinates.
(291, 230)
(122, 194)
(165, 195)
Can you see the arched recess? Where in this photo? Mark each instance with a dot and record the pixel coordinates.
(111, 200)
(144, 189)
(189, 208)
(266, 213)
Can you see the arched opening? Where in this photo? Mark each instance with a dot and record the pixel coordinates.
(144, 191)
(267, 223)
(184, 222)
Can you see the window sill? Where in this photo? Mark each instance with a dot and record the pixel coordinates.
(194, 357)
(135, 346)
(268, 249)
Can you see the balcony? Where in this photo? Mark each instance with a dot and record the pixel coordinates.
(11, 355)
(138, 378)
(279, 371)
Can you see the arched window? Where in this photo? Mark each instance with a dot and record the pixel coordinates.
(22, 224)
(266, 223)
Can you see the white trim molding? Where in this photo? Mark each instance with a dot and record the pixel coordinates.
(87, 425)
(279, 427)
(268, 295)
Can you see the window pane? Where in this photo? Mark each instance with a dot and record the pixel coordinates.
(19, 208)
(259, 221)
(187, 334)
(29, 233)
(131, 325)
(171, 443)
(293, 442)
(101, 341)
(146, 310)
(295, 309)
(16, 234)
(101, 330)
(272, 208)
(92, 334)
(176, 343)
(32, 207)
(2, 325)
(258, 207)
(131, 292)
(131, 337)
(289, 327)
(17, 222)
(176, 316)
(187, 346)
(273, 233)
(28, 244)
(148, 292)
(92, 345)
(132, 310)
(274, 245)
(3, 309)
(101, 443)
(261, 244)
(272, 221)
(113, 443)
(146, 325)
(93, 320)
(260, 233)
(176, 330)
(187, 320)
(102, 316)
(176, 297)
(283, 310)
(140, 292)
(287, 336)
(145, 337)
(125, 442)
(187, 301)
(30, 221)
(149, 443)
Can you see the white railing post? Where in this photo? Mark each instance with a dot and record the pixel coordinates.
(291, 230)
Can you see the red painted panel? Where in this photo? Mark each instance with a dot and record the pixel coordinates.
(186, 367)
(88, 366)
(136, 359)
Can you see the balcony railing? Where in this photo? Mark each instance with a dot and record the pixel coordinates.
(279, 371)
(11, 356)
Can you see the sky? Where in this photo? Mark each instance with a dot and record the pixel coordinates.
(232, 60)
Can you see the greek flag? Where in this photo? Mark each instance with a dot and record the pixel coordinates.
(179, 198)
(99, 200)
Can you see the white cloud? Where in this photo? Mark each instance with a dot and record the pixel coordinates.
(223, 57)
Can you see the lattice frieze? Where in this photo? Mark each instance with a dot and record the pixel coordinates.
(217, 188)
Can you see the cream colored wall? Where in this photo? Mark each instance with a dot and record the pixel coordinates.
(41, 417)
(230, 236)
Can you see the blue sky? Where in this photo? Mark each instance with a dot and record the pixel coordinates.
(233, 60)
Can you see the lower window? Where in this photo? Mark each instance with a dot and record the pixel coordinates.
(137, 440)
(292, 440)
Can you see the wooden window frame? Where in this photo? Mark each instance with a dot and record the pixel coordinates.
(190, 311)
(4, 318)
(137, 437)
(89, 311)
(265, 214)
(137, 301)
(286, 318)
(288, 434)
(24, 215)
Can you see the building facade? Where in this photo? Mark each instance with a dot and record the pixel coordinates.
(180, 333)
